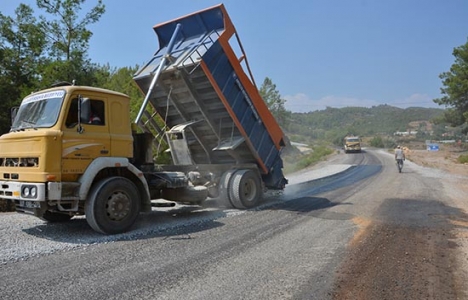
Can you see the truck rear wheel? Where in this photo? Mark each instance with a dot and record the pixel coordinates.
(113, 205)
(224, 186)
(245, 189)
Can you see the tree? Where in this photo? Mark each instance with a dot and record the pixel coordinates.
(275, 103)
(455, 88)
(120, 80)
(22, 45)
(67, 34)
(68, 40)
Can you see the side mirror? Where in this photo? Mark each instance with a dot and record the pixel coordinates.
(84, 111)
(84, 107)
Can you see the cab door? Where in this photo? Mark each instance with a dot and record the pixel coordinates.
(84, 141)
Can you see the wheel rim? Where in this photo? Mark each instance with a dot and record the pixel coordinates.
(249, 190)
(118, 206)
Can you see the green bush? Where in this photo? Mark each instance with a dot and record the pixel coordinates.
(463, 159)
(377, 142)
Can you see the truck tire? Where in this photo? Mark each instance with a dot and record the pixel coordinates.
(55, 217)
(224, 187)
(246, 189)
(112, 206)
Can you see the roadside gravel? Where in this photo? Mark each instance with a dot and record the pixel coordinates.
(24, 236)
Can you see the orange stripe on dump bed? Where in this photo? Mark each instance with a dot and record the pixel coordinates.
(275, 131)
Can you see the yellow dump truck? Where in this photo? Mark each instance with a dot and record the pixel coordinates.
(72, 150)
(352, 144)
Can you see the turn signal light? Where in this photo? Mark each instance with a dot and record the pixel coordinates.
(51, 177)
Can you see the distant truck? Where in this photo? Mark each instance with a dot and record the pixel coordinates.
(352, 144)
(72, 150)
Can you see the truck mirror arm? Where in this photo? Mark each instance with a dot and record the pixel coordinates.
(79, 128)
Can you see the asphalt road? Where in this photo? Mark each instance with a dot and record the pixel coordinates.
(294, 246)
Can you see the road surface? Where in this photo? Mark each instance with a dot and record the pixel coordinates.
(366, 232)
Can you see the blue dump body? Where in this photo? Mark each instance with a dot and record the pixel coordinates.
(201, 86)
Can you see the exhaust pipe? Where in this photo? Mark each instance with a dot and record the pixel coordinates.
(162, 204)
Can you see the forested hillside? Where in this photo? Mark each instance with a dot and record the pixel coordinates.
(334, 123)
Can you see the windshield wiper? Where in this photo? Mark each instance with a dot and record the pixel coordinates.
(28, 123)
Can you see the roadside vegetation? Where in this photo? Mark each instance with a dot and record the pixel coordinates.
(463, 159)
(297, 160)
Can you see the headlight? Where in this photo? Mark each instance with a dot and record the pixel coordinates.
(29, 191)
(33, 192)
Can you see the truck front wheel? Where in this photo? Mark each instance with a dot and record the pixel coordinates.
(113, 205)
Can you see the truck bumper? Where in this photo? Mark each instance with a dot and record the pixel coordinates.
(25, 191)
(35, 198)
(28, 197)
(352, 148)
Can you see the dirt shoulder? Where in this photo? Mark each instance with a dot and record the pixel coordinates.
(398, 260)
(444, 159)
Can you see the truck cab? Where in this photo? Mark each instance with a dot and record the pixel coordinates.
(62, 142)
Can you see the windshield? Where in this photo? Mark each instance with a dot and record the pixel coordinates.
(39, 110)
(352, 140)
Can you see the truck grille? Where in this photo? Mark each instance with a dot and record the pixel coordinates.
(19, 161)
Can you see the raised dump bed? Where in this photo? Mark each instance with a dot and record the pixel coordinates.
(197, 84)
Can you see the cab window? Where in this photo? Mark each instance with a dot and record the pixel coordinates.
(92, 112)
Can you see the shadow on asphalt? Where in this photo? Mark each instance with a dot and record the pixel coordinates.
(347, 178)
(305, 204)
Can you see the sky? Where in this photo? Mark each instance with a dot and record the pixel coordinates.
(318, 53)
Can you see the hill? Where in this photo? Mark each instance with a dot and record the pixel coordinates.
(334, 123)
